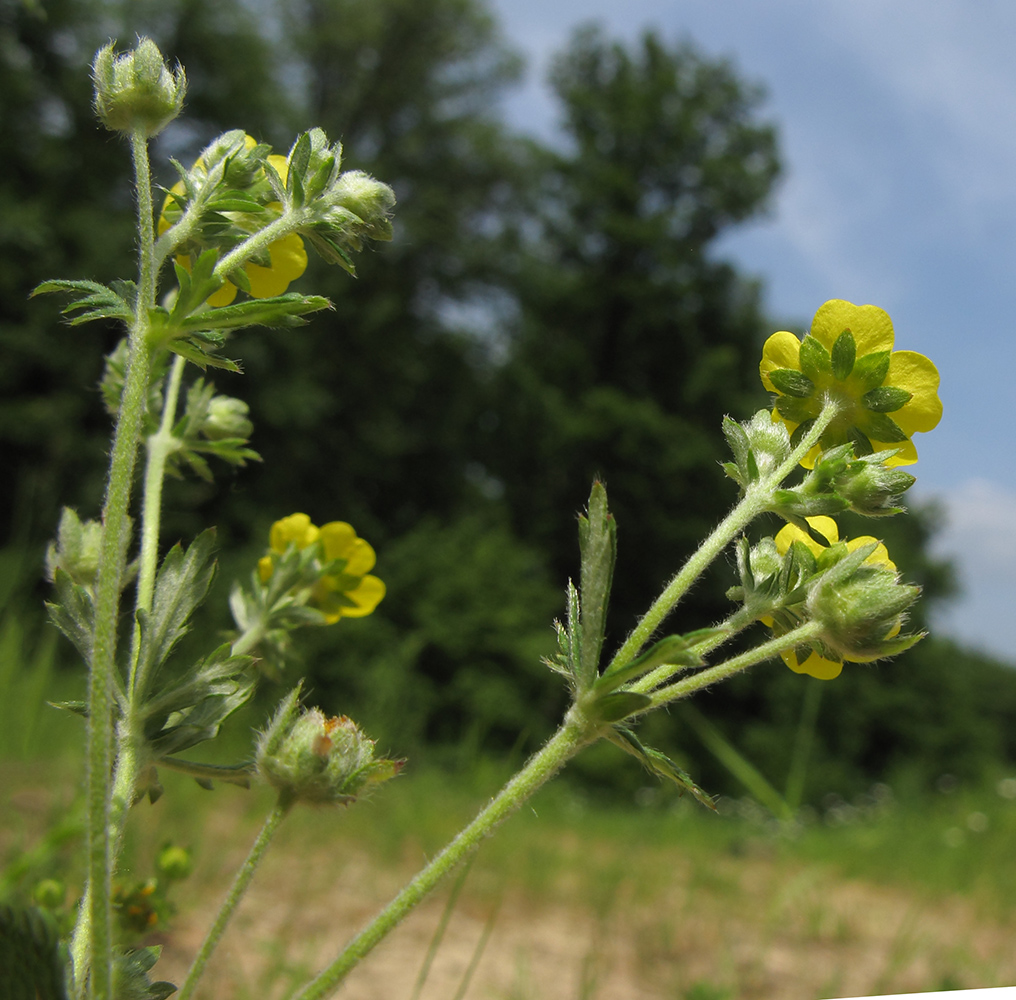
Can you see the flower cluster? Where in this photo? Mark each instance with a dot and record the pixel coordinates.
(884, 396)
(287, 257)
(343, 587)
(851, 588)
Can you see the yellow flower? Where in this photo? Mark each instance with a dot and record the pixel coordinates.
(814, 664)
(350, 593)
(288, 255)
(886, 396)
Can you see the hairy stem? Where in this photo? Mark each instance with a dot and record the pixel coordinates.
(779, 644)
(559, 749)
(757, 498)
(160, 446)
(92, 948)
(235, 894)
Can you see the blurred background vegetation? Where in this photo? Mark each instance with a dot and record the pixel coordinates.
(547, 313)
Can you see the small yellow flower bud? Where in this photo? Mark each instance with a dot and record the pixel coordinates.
(137, 90)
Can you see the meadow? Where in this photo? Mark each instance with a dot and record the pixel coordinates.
(575, 898)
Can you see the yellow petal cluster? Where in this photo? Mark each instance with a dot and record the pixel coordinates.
(351, 593)
(288, 254)
(863, 391)
(814, 664)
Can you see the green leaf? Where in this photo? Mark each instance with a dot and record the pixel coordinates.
(619, 705)
(74, 615)
(30, 966)
(196, 355)
(886, 399)
(100, 302)
(659, 764)
(844, 354)
(191, 710)
(130, 975)
(598, 545)
(277, 312)
(792, 383)
(180, 586)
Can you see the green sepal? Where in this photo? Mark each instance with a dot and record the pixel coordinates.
(618, 705)
(796, 410)
(814, 359)
(880, 427)
(206, 774)
(677, 650)
(886, 399)
(98, 302)
(30, 963)
(792, 383)
(843, 355)
(807, 505)
(181, 584)
(299, 160)
(659, 764)
(330, 248)
(598, 545)
(870, 370)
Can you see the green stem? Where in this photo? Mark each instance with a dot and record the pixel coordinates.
(235, 894)
(261, 240)
(160, 446)
(779, 644)
(247, 642)
(736, 623)
(757, 499)
(573, 734)
(802, 743)
(94, 960)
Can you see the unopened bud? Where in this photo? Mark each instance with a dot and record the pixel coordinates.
(76, 549)
(227, 418)
(308, 755)
(137, 90)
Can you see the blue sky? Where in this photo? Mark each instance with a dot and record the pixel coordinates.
(898, 126)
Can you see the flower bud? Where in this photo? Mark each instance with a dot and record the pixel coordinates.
(860, 607)
(76, 549)
(174, 862)
(227, 418)
(307, 755)
(871, 488)
(136, 90)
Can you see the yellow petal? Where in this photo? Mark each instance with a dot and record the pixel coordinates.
(791, 533)
(781, 350)
(915, 373)
(906, 452)
(872, 328)
(265, 568)
(289, 261)
(880, 557)
(337, 538)
(367, 597)
(293, 530)
(816, 666)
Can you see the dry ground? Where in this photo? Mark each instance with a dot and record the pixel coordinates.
(579, 921)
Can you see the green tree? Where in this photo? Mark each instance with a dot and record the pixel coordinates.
(633, 339)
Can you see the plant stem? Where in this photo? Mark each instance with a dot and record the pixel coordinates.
(261, 240)
(757, 498)
(779, 644)
(95, 921)
(160, 446)
(573, 734)
(236, 892)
